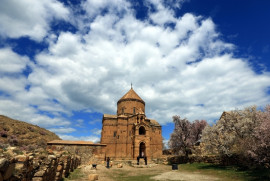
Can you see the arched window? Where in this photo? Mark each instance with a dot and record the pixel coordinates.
(141, 130)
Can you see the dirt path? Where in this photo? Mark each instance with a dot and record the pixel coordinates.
(159, 172)
(176, 175)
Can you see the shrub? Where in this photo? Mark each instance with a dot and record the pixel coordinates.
(18, 151)
(41, 142)
(13, 140)
(3, 146)
(4, 134)
(32, 147)
(29, 147)
(5, 128)
(42, 133)
(31, 129)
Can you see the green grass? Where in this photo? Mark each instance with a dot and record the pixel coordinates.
(262, 174)
(135, 178)
(76, 174)
(124, 175)
(226, 172)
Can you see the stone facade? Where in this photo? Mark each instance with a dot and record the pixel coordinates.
(130, 133)
(88, 151)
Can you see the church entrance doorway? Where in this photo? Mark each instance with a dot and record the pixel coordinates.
(142, 150)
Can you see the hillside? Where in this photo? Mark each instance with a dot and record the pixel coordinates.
(24, 135)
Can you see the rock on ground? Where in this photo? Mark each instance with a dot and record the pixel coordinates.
(93, 177)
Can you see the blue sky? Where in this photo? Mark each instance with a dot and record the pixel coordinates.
(65, 63)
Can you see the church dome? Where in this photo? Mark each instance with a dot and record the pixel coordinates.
(130, 103)
(131, 95)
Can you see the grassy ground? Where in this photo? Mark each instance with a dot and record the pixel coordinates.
(125, 175)
(75, 175)
(226, 172)
(195, 171)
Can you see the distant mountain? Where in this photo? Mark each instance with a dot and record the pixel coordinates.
(24, 135)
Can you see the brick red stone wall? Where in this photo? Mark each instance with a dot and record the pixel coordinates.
(121, 132)
(156, 142)
(122, 138)
(88, 153)
(128, 107)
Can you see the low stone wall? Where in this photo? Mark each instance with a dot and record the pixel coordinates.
(192, 159)
(89, 153)
(38, 167)
(225, 160)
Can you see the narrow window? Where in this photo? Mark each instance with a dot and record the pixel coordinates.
(141, 130)
(134, 110)
(123, 110)
(114, 134)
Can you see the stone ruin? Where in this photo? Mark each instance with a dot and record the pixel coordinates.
(38, 166)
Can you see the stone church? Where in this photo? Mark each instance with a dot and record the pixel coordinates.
(129, 133)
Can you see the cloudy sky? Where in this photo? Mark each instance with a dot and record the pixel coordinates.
(65, 63)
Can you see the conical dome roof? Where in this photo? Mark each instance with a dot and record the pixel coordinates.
(131, 95)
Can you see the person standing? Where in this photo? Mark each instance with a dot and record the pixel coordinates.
(108, 162)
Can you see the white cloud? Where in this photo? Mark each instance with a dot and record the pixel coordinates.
(62, 130)
(18, 102)
(12, 85)
(162, 15)
(166, 144)
(160, 74)
(94, 139)
(79, 123)
(84, 77)
(186, 70)
(29, 17)
(96, 131)
(94, 7)
(93, 122)
(27, 113)
(12, 62)
(65, 45)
